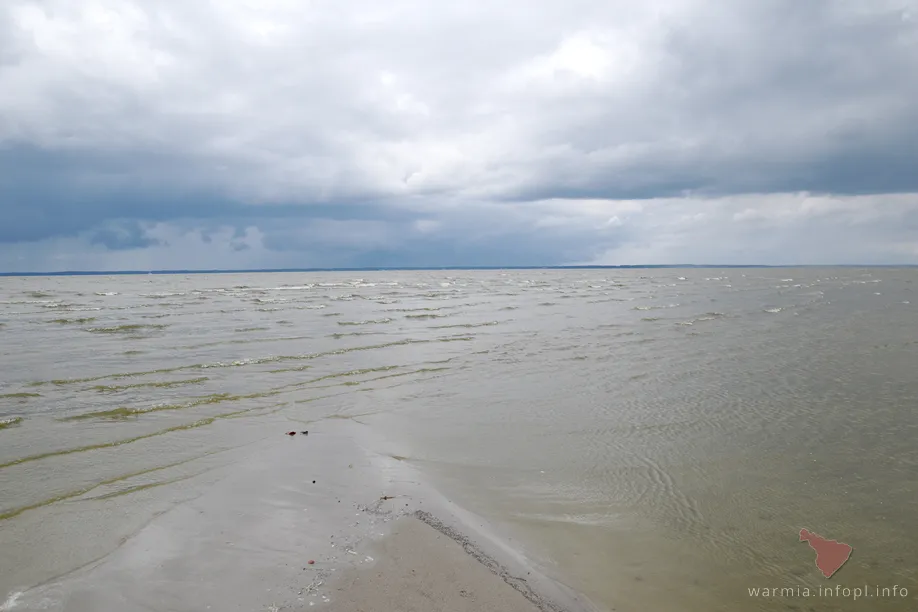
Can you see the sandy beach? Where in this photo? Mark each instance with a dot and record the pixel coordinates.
(424, 569)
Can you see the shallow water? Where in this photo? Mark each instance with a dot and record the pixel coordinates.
(653, 438)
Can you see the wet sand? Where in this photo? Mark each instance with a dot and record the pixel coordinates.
(424, 569)
(312, 521)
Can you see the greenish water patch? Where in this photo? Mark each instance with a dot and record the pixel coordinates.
(82, 449)
(65, 496)
(339, 335)
(131, 328)
(166, 384)
(331, 314)
(138, 488)
(127, 412)
(10, 422)
(81, 321)
(424, 316)
(296, 369)
(350, 373)
(19, 395)
(278, 358)
(243, 330)
(70, 381)
(420, 371)
(133, 352)
(38, 294)
(242, 341)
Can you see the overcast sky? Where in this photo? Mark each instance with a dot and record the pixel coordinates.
(347, 133)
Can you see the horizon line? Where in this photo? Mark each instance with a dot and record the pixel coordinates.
(434, 268)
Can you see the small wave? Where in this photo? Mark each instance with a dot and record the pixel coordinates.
(367, 322)
(655, 307)
(19, 395)
(10, 422)
(339, 335)
(106, 293)
(58, 305)
(773, 310)
(160, 385)
(427, 309)
(708, 316)
(466, 325)
(126, 329)
(84, 309)
(80, 321)
(163, 295)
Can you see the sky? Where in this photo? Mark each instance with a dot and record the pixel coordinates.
(241, 134)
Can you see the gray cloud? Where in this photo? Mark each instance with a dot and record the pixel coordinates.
(410, 132)
(119, 237)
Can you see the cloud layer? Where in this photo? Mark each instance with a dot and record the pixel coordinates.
(283, 133)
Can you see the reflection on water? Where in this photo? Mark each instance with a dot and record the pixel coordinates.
(655, 438)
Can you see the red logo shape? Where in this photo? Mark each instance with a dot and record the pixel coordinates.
(830, 554)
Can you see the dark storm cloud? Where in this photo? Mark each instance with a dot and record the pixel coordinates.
(123, 236)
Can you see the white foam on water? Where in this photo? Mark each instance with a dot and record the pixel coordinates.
(10, 602)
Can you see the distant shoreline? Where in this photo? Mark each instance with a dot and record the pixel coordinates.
(452, 268)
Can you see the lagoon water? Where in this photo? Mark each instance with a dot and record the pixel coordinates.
(655, 439)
